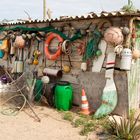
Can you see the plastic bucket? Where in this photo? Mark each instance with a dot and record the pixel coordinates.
(63, 95)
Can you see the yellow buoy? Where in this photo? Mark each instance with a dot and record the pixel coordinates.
(66, 69)
(35, 62)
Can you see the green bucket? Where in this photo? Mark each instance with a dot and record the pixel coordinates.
(63, 95)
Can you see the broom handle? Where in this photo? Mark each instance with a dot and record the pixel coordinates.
(38, 119)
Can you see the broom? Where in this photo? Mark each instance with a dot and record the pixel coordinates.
(109, 96)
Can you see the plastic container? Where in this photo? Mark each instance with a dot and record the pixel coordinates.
(63, 95)
(125, 63)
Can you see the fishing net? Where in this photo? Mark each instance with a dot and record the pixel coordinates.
(11, 99)
(43, 29)
(92, 45)
(23, 83)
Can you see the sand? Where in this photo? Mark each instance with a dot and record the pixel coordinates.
(24, 127)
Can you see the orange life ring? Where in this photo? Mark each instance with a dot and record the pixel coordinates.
(48, 41)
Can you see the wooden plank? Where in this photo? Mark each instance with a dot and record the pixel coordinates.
(97, 63)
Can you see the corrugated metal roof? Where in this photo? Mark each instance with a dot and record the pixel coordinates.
(90, 15)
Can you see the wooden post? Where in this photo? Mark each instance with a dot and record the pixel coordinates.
(44, 9)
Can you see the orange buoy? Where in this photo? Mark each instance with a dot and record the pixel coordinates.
(4, 45)
(136, 54)
(19, 42)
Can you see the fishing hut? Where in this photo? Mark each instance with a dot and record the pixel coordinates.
(94, 53)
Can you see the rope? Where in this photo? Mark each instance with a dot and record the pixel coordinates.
(14, 110)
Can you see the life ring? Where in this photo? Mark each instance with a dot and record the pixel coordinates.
(47, 43)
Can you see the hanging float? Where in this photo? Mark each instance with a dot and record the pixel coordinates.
(4, 47)
(4, 44)
(12, 49)
(84, 66)
(125, 30)
(113, 36)
(126, 58)
(66, 68)
(135, 54)
(45, 79)
(36, 54)
(19, 42)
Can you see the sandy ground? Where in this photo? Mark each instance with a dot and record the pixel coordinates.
(24, 127)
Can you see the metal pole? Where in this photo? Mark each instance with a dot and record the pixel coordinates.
(44, 9)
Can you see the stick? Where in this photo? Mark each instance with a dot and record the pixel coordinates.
(69, 60)
(38, 119)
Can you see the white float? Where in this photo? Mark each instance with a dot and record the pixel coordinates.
(126, 59)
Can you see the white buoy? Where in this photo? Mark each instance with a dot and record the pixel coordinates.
(84, 66)
(19, 66)
(14, 69)
(45, 79)
(126, 60)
